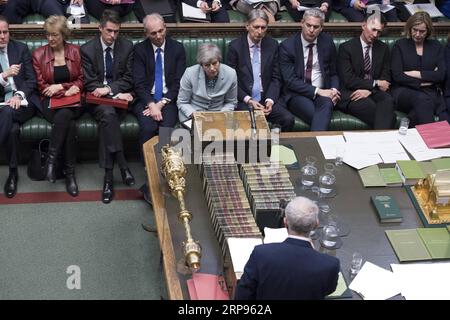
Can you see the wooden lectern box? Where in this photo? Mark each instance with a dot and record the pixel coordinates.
(231, 132)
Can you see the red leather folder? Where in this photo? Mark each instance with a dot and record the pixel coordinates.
(436, 134)
(90, 98)
(65, 102)
(205, 286)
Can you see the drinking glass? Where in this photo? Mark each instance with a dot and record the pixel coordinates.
(308, 172)
(327, 179)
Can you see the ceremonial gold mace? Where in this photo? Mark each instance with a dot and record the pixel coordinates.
(174, 171)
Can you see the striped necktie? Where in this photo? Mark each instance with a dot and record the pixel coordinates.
(367, 64)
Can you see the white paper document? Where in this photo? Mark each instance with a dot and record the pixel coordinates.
(423, 281)
(375, 283)
(379, 7)
(240, 250)
(275, 235)
(430, 8)
(192, 12)
(76, 10)
(413, 142)
(361, 155)
(329, 144)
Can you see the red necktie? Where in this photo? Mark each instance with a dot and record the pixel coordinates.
(309, 63)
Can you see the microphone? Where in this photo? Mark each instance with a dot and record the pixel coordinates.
(252, 118)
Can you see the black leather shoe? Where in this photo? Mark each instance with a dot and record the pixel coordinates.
(108, 192)
(11, 185)
(71, 185)
(146, 194)
(127, 177)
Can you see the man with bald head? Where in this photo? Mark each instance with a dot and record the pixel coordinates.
(159, 64)
(290, 270)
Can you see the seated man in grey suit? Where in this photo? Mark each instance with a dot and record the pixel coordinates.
(291, 270)
(107, 67)
(308, 69)
(208, 85)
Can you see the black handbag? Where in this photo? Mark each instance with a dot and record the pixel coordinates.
(38, 158)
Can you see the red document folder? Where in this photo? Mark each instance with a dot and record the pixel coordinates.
(90, 98)
(204, 286)
(436, 134)
(65, 102)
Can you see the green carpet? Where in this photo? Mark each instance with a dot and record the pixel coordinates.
(116, 257)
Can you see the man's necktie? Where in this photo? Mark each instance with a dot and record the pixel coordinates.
(256, 68)
(367, 64)
(158, 76)
(108, 65)
(309, 64)
(5, 65)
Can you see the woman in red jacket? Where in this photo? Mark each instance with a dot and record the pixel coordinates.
(59, 74)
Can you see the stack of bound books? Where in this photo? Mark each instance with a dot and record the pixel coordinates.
(266, 184)
(228, 206)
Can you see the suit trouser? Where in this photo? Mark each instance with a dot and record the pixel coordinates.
(419, 104)
(140, 13)
(148, 127)
(9, 11)
(279, 115)
(110, 137)
(315, 112)
(377, 110)
(354, 15)
(298, 15)
(96, 8)
(11, 137)
(45, 8)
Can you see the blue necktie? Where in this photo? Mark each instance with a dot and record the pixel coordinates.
(256, 68)
(5, 65)
(108, 65)
(158, 76)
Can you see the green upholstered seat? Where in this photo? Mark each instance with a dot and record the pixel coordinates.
(38, 128)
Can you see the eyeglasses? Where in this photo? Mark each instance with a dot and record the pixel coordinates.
(52, 34)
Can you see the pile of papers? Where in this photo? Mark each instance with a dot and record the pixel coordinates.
(363, 149)
(428, 281)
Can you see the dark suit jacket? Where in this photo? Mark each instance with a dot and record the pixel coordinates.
(288, 270)
(447, 78)
(239, 59)
(144, 69)
(351, 67)
(93, 65)
(404, 58)
(292, 65)
(18, 53)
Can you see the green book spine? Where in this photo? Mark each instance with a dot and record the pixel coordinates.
(411, 169)
(408, 245)
(387, 208)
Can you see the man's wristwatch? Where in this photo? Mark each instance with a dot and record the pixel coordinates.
(165, 101)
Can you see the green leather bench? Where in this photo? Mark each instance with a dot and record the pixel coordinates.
(38, 128)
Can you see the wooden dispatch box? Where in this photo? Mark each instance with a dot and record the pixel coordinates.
(215, 131)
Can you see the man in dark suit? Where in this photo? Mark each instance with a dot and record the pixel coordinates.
(364, 71)
(154, 57)
(244, 56)
(308, 70)
(291, 270)
(17, 83)
(107, 66)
